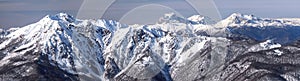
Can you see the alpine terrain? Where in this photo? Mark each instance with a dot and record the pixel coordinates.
(238, 48)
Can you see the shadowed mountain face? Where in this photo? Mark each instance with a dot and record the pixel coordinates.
(239, 48)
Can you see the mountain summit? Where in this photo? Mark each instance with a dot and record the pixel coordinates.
(240, 47)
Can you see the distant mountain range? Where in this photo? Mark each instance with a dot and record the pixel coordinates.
(238, 48)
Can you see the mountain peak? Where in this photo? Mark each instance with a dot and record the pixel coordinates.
(171, 18)
(200, 19)
(194, 19)
(61, 17)
(235, 15)
(240, 17)
(170, 15)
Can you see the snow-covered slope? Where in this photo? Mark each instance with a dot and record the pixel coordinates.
(60, 47)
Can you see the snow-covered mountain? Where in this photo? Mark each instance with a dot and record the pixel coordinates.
(239, 20)
(195, 19)
(279, 30)
(199, 19)
(241, 47)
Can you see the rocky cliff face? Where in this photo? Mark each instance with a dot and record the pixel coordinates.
(59, 47)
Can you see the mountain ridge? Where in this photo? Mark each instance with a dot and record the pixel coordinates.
(60, 47)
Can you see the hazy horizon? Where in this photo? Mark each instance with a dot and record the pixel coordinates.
(15, 13)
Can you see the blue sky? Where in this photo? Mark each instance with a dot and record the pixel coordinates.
(15, 13)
